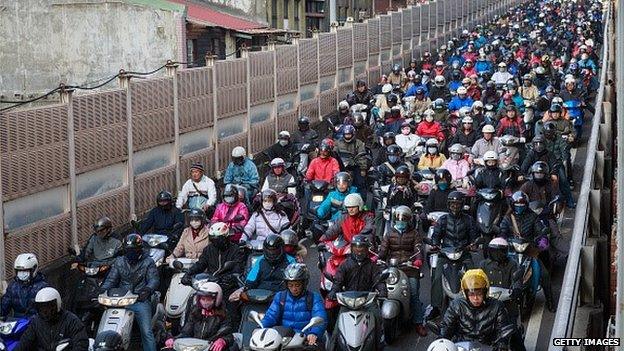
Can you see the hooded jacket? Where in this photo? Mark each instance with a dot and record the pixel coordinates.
(246, 174)
(43, 336)
(402, 246)
(332, 205)
(134, 277)
(19, 297)
(259, 228)
(294, 313)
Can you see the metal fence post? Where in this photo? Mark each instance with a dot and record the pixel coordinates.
(619, 81)
(171, 71)
(245, 55)
(124, 82)
(67, 98)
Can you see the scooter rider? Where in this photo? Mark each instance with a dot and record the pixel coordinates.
(199, 190)
(557, 146)
(242, 171)
(354, 222)
(488, 143)
(304, 134)
(295, 306)
(19, 298)
(350, 150)
(388, 168)
(232, 211)
(206, 318)
(266, 220)
(540, 186)
(520, 221)
(432, 159)
(457, 165)
(284, 148)
(279, 180)
(268, 271)
(401, 191)
(438, 197)
(102, 246)
(194, 237)
(402, 242)
(476, 316)
(52, 324)
(331, 206)
(324, 167)
(467, 135)
(491, 176)
(164, 218)
(136, 272)
(455, 229)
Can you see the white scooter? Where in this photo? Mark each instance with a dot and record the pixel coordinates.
(178, 295)
(194, 344)
(118, 319)
(278, 337)
(157, 251)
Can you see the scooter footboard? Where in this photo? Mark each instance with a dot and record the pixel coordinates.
(390, 309)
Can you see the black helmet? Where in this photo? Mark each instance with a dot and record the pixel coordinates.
(230, 194)
(456, 74)
(538, 144)
(108, 341)
(133, 246)
(297, 272)
(103, 225)
(273, 248)
(455, 202)
(393, 98)
(396, 68)
(539, 171)
(443, 174)
(360, 83)
(439, 104)
(555, 108)
(197, 214)
(164, 199)
(498, 249)
(389, 136)
(550, 130)
(303, 123)
(341, 177)
(359, 241)
(394, 150)
(402, 172)
(519, 202)
(490, 84)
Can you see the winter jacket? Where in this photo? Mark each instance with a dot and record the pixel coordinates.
(207, 194)
(348, 152)
(469, 71)
(408, 143)
(530, 93)
(437, 200)
(397, 79)
(246, 175)
(420, 106)
(541, 192)
(482, 146)
(489, 178)
(355, 97)
(226, 213)
(295, 313)
(213, 259)
(349, 226)
(474, 92)
(501, 77)
(430, 130)
(431, 161)
(264, 275)
(483, 65)
(387, 170)
(514, 126)
(527, 226)
(503, 275)
(457, 103)
(206, 327)
(490, 97)
(400, 195)
(305, 137)
(160, 221)
(402, 247)
(563, 124)
(19, 297)
(190, 247)
(440, 93)
(101, 249)
(135, 277)
(531, 157)
(286, 153)
(354, 276)
(459, 169)
(322, 169)
(283, 184)
(467, 140)
(454, 231)
(332, 205)
(517, 101)
(412, 90)
(485, 324)
(43, 336)
(259, 228)
(558, 147)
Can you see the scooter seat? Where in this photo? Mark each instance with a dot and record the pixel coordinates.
(285, 332)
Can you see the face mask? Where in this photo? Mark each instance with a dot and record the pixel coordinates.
(195, 224)
(133, 256)
(283, 142)
(393, 159)
(519, 209)
(405, 131)
(229, 199)
(400, 226)
(348, 137)
(429, 119)
(267, 205)
(432, 150)
(455, 157)
(443, 186)
(219, 242)
(23, 275)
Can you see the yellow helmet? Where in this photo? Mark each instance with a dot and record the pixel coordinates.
(475, 279)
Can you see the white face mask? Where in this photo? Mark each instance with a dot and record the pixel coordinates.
(23, 275)
(429, 118)
(432, 150)
(267, 205)
(195, 224)
(283, 142)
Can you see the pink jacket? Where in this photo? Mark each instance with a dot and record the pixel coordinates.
(221, 215)
(458, 169)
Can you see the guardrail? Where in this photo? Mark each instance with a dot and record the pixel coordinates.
(568, 301)
(619, 80)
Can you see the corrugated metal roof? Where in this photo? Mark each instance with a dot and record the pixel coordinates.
(159, 4)
(204, 15)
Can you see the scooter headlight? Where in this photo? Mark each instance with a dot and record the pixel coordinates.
(352, 303)
(155, 239)
(453, 256)
(520, 247)
(318, 198)
(92, 270)
(7, 327)
(495, 294)
(103, 300)
(489, 196)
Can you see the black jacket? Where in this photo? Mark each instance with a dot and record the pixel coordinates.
(161, 221)
(504, 275)
(527, 223)
(355, 97)
(489, 178)
(353, 276)
(465, 139)
(401, 196)
(486, 324)
(532, 157)
(309, 136)
(284, 152)
(206, 327)
(437, 201)
(212, 259)
(440, 93)
(454, 231)
(43, 336)
(135, 277)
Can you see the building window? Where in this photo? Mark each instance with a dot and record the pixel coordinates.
(191, 50)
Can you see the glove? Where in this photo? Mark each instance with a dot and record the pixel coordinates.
(417, 263)
(144, 294)
(218, 345)
(186, 280)
(542, 243)
(169, 343)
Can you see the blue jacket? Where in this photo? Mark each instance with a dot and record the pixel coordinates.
(454, 84)
(518, 101)
(247, 174)
(263, 275)
(294, 313)
(160, 221)
(457, 103)
(482, 66)
(20, 297)
(412, 90)
(326, 209)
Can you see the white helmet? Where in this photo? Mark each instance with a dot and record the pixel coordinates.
(490, 156)
(219, 229)
(343, 105)
(428, 112)
(488, 128)
(461, 90)
(353, 200)
(570, 80)
(265, 339)
(477, 103)
(208, 288)
(239, 151)
(49, 294)
(442, 345)
(467, 119)
(284, 134)
(26, 262)
(464, 111)
(277, 162)
(386, 88)
(456, 149)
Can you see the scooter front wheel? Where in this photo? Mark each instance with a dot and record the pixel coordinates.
(391, 330)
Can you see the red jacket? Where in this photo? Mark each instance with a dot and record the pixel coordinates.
(433, 129)
(506, 126)
(474, 92)
(469, 71)
(322, 169)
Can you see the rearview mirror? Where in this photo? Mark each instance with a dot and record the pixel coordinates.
(313, 323)
(255, 317)
(177, 265)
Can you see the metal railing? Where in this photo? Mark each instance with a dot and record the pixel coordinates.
(570, 288)
(619, 88)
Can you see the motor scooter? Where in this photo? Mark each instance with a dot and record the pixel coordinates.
(426, 182)
(257, 300)
(178, 295)
(158, 247)
(85, 304)
(318, 189)
(279, 337)
(432, 255)
(575, 112)
(11, 330)
(531, 274)
(330, 255)
(194, 344)
(489, 211)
